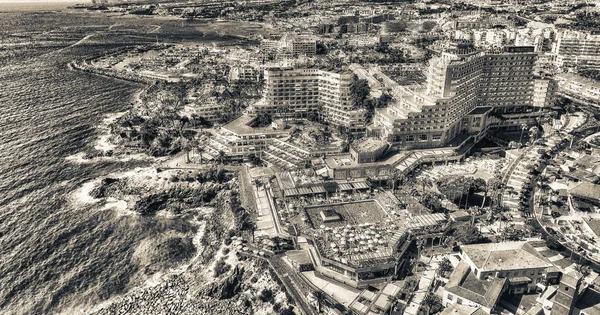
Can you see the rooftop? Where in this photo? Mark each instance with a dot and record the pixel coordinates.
(368, 145)
(345, 161)
(480, 110)
(300, 257)
(505, 256)
(586, 190)
(466, 285)
(243, 126)
(588, 302)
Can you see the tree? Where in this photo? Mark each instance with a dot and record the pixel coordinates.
(433, 303)
(468, 235)
(221, 155)
(359, 92)
(383, 100)
(393, 299)
(264, 119)
(319, 297)
(200, 150)
(533, 133)
(523, 128)
(445, 266)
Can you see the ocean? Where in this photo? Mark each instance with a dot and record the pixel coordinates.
(57, 255)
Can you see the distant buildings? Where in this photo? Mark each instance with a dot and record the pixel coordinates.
(575, 49)
(289, 45)
(579, 87)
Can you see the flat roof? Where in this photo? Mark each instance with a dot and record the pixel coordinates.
(505, 256)
(301, 257)
(466, 285)
(241, 126)
(368, 145)
(480, 110)
(586, 190)
(341, 161)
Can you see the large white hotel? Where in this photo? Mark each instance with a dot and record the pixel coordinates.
(467, 92)
(302, 91)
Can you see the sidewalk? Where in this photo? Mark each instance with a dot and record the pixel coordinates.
(425, 281)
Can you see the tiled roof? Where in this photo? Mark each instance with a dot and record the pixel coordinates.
(466, 285)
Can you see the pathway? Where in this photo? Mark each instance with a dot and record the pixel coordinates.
(425, 282)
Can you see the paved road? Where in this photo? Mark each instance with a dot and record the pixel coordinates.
(295, 286)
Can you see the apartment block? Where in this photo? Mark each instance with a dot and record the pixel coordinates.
(543, 91)
(577, 49)
(290, 45)
(579, 87)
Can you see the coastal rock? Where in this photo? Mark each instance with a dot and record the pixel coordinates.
(230, 286)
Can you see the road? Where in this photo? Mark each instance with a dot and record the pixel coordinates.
(295, 285)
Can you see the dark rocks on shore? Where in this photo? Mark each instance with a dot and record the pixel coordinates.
(229, 287)
(102, 190)
(151, 204)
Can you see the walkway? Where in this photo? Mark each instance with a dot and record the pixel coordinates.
(265, 225)
(425, 282)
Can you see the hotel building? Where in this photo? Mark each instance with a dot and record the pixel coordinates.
(467, 92)
(303, 91)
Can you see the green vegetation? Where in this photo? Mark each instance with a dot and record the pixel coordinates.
(359, 93)
(590, 74)
(586, 21)
(459, 188)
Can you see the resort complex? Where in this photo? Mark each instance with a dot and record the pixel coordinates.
(380, 157)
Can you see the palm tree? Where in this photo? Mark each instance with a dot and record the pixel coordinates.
(319, 297)
(445, 266)
(221, 155)
(200, 150)
(430, 301)
(523, 128)
(533, 133)
(393, 302)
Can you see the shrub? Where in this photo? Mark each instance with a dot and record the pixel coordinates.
(266, 295)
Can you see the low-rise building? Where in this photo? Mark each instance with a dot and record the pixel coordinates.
(488, 271)
(579, 87)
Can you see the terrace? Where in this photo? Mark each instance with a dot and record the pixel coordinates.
(353, 213)
(359, 246)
